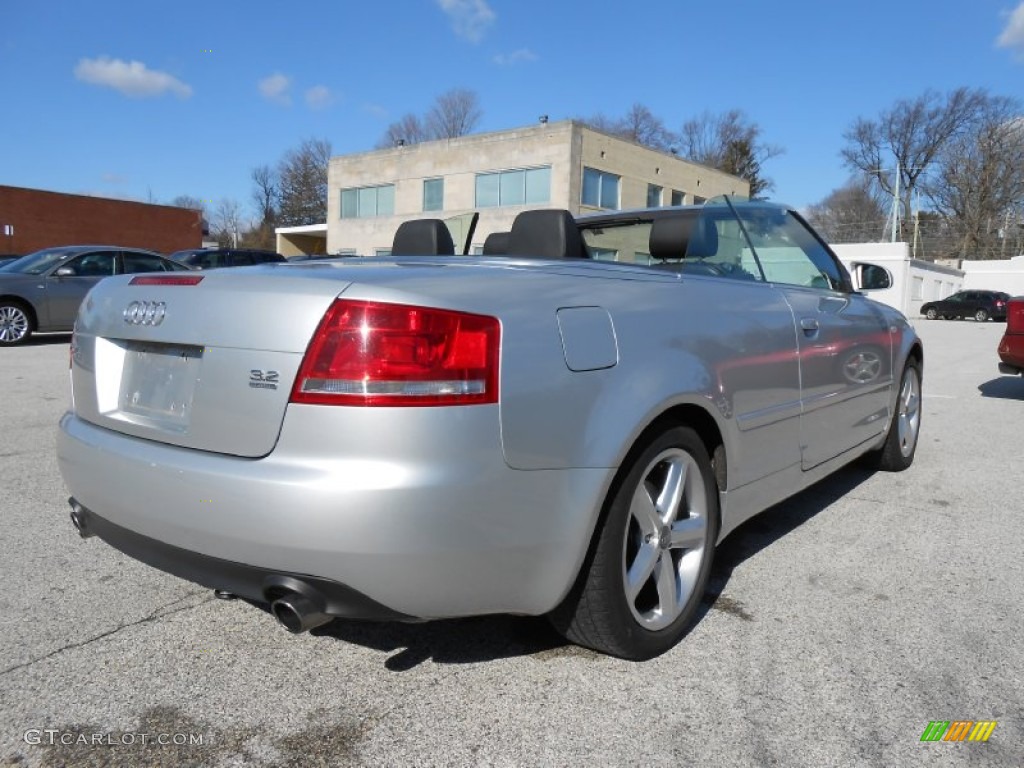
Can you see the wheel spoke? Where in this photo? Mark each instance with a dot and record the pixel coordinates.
(668, 588)
(643, 511)
(671, 491)
(641, 569)
(688, 533)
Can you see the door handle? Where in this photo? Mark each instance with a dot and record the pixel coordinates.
(809, 326)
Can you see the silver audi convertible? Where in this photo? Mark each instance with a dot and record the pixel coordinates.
(565, 426)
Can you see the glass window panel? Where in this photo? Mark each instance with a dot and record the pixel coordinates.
(513, 188)
(677, 197)
(433, 194)
(538, 185)
(591, 187)
(487, 190)
(609, 191)
(349, 204)
(653, 196)
(386, 200)
(367, 201)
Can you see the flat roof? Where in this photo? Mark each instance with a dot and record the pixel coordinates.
(302, 229)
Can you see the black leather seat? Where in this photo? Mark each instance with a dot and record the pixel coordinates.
(496, 244)
(423, 237)
(546, 234)
(679, 237)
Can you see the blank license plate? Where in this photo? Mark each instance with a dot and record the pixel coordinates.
(158, 382)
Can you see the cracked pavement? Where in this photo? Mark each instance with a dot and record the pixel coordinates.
(837, 625)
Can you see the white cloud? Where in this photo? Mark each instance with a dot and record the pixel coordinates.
(1013, 35)
(516, 57)
(470, 18)
(131, 78)
(275, 88)
(376, 110)
(319, 97)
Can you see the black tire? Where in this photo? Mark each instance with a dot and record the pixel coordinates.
(897, 453)
(931, 314)
(981, 315)
(16, 324)
(599, 612)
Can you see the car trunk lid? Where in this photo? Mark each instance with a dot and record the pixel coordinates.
(202, 361)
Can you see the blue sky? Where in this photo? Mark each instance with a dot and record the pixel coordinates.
(153, 100)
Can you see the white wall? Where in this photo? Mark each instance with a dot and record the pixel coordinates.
(1000, 275)
(914, 281)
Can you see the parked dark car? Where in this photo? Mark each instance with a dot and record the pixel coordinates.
(1011, 347)
(211, 258)
(42, 291)
(981, 305)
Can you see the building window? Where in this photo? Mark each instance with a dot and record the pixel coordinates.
(367, 202)
(697, 199)
(604, 254)
(525, 186)
(381, 251)
(677, 197)
(653, 196)
(433, 194)
(600, 189)
(918, 288)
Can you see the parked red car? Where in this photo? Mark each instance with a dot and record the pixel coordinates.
(1011, 348)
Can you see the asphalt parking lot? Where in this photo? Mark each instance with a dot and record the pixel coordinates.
(837, 626)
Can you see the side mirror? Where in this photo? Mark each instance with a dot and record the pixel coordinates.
(870, 277)
(65, 272)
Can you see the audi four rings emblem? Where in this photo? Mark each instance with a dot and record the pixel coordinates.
(145, 312)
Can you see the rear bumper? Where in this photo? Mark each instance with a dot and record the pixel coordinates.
(403, 530)
(1011, 353)
(248, 581)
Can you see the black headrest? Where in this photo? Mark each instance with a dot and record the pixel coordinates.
(423, 237)
(676, 237)
(546, 234)
(496, 244)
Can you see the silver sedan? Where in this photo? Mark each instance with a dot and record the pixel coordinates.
(42, 291)
(567, 429)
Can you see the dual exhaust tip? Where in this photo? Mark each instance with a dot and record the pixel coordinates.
(296, 606)
(80, 519)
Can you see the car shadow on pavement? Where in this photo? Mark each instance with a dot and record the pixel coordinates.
(765, 529)
(1004, 388)
(489, 638)
(47, 339)
(451, 641)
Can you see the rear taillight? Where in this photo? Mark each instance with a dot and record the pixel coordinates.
(1015, 316)
(371, 353)
(166, 280)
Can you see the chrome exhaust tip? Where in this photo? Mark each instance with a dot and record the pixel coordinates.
(79, 518)
(298, 613)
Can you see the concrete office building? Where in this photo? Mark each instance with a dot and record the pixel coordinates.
(549, 165)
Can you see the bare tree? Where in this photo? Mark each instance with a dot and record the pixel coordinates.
(228, 224)
(978, 185)
(265, 193)
(408, 130)
(854, 213)
(188, 201)
(454, 113)
(302, 175)
(906, 139)
(639, 124)
(729, 142)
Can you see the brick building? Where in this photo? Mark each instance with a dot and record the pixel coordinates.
(31, 219)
